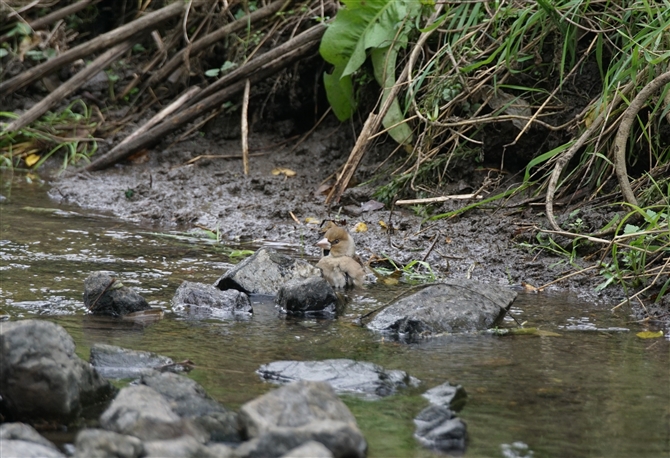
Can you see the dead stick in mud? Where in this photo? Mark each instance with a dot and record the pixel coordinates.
(71, 85)
(208, 40)
(373, 122)
(155, 134)
(161, 115)
(139, 26)
(245, 127)
(624, 129)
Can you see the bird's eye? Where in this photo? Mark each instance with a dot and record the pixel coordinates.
(335, 242)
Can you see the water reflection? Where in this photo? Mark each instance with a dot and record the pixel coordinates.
(595, 390)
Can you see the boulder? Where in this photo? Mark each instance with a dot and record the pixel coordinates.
(104, 294)
(119, 363)
(189, 400)
(98, 443)
(208, 301)
(295, 414)
(41, 377)
(21, 440)
(450, 307)
(311, 449)
(142, 412)
(265, 272)
(437, 428)
(343, 375)
(185, 447)
(310, 296)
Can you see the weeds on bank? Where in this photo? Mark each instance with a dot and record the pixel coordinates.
(68, 133)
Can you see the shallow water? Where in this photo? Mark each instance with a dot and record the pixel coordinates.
(597, 390)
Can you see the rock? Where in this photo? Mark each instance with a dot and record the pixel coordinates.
(26, 449)
(185, 447)
(208, 301)
(98, 443)
(307, 402)
(119, 363)
(343, 440)
(104, 294)
(449, 307)
(23, 432)
(41, 377)
(311, 449)
(438, 428)
(343, 375)
(447, 395)
(188, 399)
(265, 272)
(310, 296)
(142, 412)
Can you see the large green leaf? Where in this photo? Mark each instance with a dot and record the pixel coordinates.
(382, 25)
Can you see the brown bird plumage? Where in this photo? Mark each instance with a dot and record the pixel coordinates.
(339, 268)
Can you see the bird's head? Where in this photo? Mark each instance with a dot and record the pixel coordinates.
(338, 241)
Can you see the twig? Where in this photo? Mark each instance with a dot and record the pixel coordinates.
(432, 200)
(245, 127)
(564, 277)
(636, 295)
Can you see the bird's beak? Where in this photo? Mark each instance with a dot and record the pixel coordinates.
(323, 244)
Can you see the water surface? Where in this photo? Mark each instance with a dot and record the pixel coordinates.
(596, 390)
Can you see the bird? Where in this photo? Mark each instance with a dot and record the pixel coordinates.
(340, 267)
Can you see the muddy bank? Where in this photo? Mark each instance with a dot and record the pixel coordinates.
(183, 186)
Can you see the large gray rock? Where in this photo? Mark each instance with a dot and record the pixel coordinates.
(185, 447)
(449, 307)
(343, 375)
(98, 443)
(208, 301)
(41, 377)
(119, 363)
(188, 399)
(310, 296)
(447, 395)
(23, 432)
(292, 415)
(26, 449)
(311, 449)
(265, 272)
(343, 440)
(142, 412)
(105, 294)
(294, 405)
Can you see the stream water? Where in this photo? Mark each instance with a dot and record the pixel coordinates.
(596, 390)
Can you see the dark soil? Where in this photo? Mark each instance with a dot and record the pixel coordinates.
(177, 192)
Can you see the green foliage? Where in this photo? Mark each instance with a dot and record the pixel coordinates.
(381, 26)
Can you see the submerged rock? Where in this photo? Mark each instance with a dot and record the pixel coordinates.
(208, 301)
(343, 375)
(295, 414)
(118, 363)
(438, 428)
(104, 294)
(449, 307)
(447, 395)
(265, 272)
(41, 377)
(311, 296)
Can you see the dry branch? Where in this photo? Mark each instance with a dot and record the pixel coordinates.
(142, 25)
(208, 40)
(69, 86)
(269, 67)
(624, 129)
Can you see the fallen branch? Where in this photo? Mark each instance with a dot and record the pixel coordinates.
(432, 200)
(155, 134)
(208, 40)
(624, 129)
(139, 26)
(71, 85)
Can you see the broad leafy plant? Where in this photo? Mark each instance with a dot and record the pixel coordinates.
(380, 28)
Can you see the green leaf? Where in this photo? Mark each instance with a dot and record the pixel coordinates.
(649, 334)
(630, 229)
(340, 93)
(383, 62)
